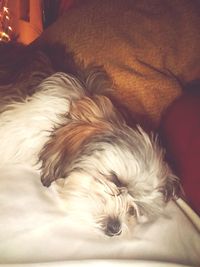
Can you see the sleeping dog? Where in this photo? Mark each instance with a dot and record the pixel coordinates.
(67, 126)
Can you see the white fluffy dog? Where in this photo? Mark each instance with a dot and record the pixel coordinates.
(108, 174)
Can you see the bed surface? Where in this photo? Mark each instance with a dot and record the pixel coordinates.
(99, 263)
(35, 229)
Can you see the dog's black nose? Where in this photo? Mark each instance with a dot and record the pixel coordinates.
(113, 227)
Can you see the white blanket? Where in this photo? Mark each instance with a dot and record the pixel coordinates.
(35, 229)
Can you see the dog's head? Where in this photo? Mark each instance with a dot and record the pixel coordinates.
(113, 176)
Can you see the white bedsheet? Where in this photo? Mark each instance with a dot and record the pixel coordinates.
(34, 229)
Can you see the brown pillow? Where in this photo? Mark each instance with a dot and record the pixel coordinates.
(147, 47)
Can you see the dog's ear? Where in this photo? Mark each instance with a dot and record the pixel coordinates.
(171, 189)
(150, 201)
(66, 145)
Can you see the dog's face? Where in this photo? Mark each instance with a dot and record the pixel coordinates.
(113, 176)
(98, 202)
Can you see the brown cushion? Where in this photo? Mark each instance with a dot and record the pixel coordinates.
(145, 46)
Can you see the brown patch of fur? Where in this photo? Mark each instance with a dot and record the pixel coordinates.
(95, 109)
(65, 145)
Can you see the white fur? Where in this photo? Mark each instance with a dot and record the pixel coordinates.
(84, 178)
(25, 125)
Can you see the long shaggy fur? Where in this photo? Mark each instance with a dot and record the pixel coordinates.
(67, 126)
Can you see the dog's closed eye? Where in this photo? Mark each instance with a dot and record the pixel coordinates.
(115, 187)
(115, 179)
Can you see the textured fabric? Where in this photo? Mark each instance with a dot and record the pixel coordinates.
(147, 47)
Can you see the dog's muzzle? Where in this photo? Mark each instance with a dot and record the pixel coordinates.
(112, 227)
